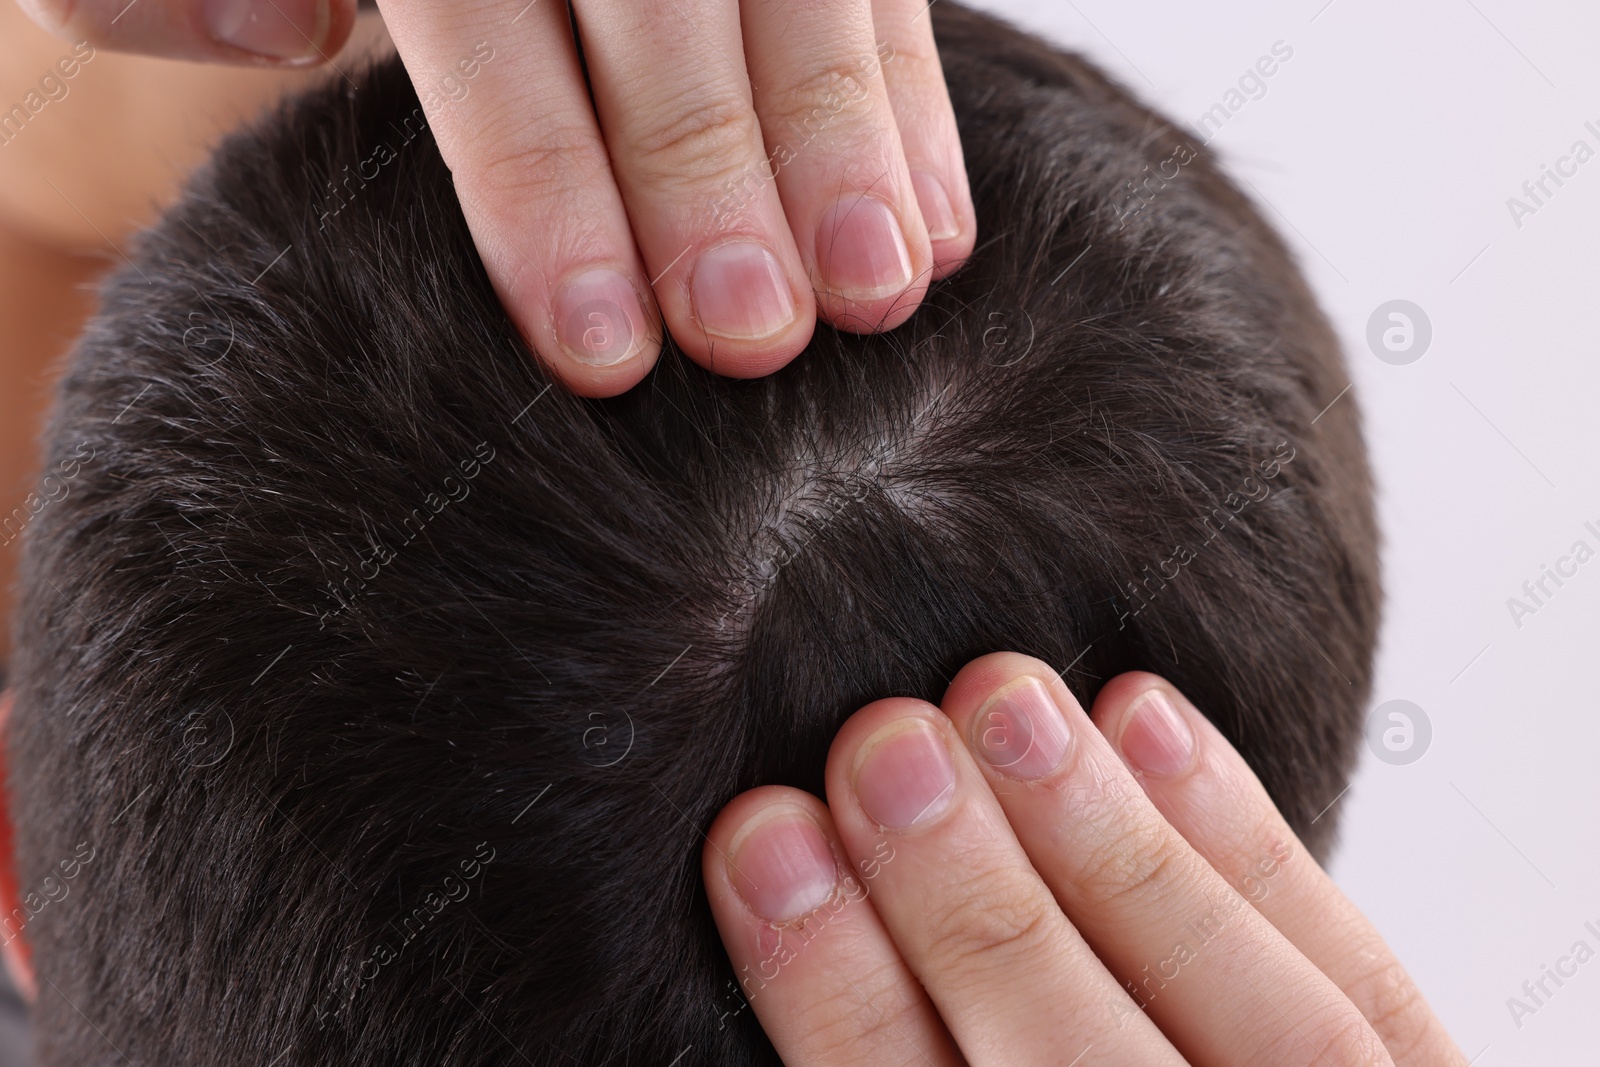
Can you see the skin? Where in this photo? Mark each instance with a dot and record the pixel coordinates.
(1106, 892)
(731, 169)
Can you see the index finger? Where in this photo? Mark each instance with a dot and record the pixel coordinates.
(809, 952)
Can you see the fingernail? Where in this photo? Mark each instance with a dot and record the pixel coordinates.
(861, 252)
(1155, 738)
(598, 317)
(937, 214)
(783, 868)
(1020, 731)
(905, 776)
(740, 292)
(276, 29)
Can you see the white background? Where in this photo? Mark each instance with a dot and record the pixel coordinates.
(1385, 150)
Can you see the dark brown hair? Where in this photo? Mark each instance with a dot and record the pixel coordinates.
(393, 687)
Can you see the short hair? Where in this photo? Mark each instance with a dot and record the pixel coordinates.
(394, 688)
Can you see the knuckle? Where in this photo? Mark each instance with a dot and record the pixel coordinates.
(821, 99)
(1253, 861)
(1345, 1040)
(1128, 868)
(916, 50)
(547, 163)
(864, 1014)
(1393, 1004)
(992, 919)
(696, 143)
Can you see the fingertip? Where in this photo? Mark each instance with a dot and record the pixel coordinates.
(592, 327)
(608, 382)
(343, 17)
(743, 809)
(948, 214)
(733, 359)
(741, 313)
(873, 263)
(949, 260)
(853, 314)
(1150, 724)
(595, 383)
(772, 853)
(48, 15)
(602, 335)
(275, 33)
(979, 680)
(287, 33)
(272, 31)
(794, 918)
(1118, 695)
(877, 316)
(858, 728)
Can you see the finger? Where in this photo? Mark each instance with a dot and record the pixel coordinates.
(673, 96)
(812, 958)
(1012, 979)
(1217, 803)
(500, 84)
(272, 32)
(831, 137)
(914, 78)
(1219, 980)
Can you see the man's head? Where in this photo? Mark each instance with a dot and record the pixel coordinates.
(392, 688)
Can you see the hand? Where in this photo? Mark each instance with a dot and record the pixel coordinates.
(740, 168)
(1006, 882)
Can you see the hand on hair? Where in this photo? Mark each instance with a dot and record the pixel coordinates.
(1009, 881)
(734, 169)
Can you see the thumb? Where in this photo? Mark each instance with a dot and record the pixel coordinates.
(271, 32)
